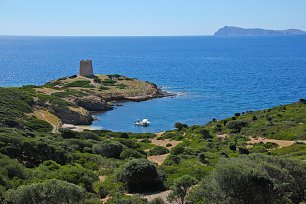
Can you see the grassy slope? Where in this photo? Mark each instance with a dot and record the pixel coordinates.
(286, 122)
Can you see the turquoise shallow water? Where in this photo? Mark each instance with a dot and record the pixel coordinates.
(215, 77)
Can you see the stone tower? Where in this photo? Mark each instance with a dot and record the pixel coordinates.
(86, 68)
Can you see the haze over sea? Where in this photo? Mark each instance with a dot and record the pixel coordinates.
(215, 77)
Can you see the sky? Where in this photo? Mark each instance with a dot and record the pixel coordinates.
(145, 17)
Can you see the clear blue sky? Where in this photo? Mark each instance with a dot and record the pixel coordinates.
(145, 17)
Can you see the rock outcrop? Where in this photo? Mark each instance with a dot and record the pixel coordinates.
(69, 116)
(93, 103)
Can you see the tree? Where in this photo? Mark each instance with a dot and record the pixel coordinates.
(140, 175)
(180, 126)
(130, 153)
(45, 192)
(236, 126)
(202, 158)
(158, 150)
(180, 188)
(108, 149)
(205, 133)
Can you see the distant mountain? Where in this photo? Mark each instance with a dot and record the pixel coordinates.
(236, 31)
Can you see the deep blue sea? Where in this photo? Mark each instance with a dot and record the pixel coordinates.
(214, 76)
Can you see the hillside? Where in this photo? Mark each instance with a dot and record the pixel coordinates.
(94, 166)
(237, 31)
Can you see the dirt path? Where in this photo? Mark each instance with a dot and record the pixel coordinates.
(51, 119)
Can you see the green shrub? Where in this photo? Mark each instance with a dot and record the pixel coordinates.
(103, 88)
(108, 82)
(77, 175)
(157, 201)
(180, 126)
(35, 124)
(253, 179)
(108, 149)
(79, 83)
(158, 150)
(236, 126)
(130, 153)
(180, 188)
(177, 150)
(100, 189)
(140, 175)
(51, 190)
(122, 86)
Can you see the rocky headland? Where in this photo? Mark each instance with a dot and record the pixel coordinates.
(72, 100)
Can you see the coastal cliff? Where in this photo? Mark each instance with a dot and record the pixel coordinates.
(237, 31)
(72, 100)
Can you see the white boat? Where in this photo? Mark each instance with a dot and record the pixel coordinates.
(143, 122)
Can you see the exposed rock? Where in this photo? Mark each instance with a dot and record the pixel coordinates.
(72, 117)
(93, 103)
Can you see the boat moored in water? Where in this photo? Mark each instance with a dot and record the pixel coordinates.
(143, 122)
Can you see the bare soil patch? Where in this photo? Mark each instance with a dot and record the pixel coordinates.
(164, 142)
(158, 159)
(281, 143)
(163, 195)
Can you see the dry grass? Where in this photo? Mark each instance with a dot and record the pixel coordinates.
(281, 143)
(47, 91)
(158, 159)
(48, 117)
(164, 143)
(79, 110)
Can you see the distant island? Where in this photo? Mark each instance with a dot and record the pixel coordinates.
(237, 31)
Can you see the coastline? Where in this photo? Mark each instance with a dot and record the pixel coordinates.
(80, 128)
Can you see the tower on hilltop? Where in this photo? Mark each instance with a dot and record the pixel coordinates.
(86, 68)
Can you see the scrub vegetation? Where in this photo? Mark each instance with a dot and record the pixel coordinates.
(212, 163)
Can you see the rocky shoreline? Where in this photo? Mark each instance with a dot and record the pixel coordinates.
(87, 96)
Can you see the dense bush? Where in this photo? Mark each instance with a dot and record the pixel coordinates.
(140, 175)
(80, 83)
(75, 174)
(177, 150)
(253, 179)
(30, 151)
(37, 125)
(236, 126)
(110, 149)
(204, 133)
(158, 150)
(54, 191)
(180, 126)
(130, 153)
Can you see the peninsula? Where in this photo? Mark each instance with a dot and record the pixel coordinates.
(237, 31)
(71, 100)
